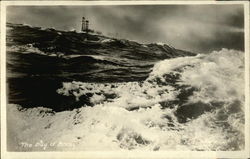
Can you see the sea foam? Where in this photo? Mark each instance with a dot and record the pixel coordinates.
(186, 103)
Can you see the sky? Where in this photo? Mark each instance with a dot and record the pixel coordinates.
(197, 28)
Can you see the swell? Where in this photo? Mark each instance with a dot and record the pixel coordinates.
(31, 74)
(186, 103)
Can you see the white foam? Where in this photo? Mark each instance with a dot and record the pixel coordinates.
(160, 43)
(164, 44)
(110, 125)
(29, 48)
(107, 40)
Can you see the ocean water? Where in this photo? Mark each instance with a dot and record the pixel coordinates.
(113, 103)
(34, 77)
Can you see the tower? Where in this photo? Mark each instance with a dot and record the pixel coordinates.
(83, 24)
(87, 26)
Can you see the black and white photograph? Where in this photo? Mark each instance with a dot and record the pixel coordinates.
(145, 77)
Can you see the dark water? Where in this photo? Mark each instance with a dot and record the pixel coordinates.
(33, 78)
(39, 60)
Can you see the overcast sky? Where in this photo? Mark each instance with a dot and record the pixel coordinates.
(198, 28)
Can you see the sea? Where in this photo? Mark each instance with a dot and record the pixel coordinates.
(127, 101)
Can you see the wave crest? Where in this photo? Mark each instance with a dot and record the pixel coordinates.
(186, 103)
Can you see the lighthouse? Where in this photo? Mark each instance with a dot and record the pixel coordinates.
(83, 24)
(87, 26)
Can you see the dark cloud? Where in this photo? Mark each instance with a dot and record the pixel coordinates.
(199, 28)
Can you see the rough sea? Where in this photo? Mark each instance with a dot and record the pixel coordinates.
(125, 99)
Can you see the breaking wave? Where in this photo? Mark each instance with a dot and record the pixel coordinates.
(186, 103)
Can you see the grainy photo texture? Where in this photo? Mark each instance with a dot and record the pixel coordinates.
(125, 77)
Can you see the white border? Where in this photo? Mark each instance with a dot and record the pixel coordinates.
(121, 154)
(247, 77)
(82, 3)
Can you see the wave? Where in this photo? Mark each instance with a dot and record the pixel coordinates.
(30, 49)
(115, 60)
(27, 61)
(186, 103)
